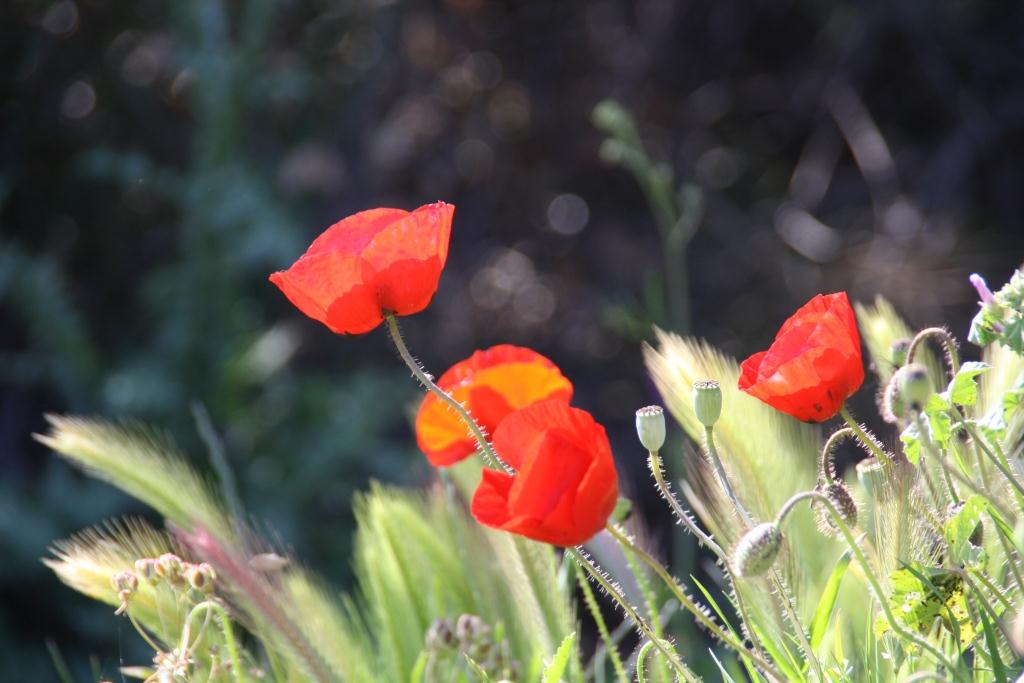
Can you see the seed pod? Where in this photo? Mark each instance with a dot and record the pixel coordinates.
(146, 568)
(650, 427)
(898, 352)
(707, 402)
(201, 577)
(169, 567)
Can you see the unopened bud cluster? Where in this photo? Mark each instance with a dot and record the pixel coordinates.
(169, 569)
(471, 637)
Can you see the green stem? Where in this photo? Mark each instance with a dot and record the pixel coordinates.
(225, 627)
(490, 456)
(868, 442)
(999, 461)
(787, 604)
(723, 479)
(653, 613)
(869, 573)
(934, 454)
(630, 612)
(948, 344)
(654, 463)
(602, 627)
(687, 602)
(641, 657)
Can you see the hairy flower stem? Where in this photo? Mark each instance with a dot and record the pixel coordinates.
(748, 522)
(687, 602)
(827, 462)
(879, 453)
(490, 456)
(215, 607)
(869, 573)
(654, 463)
(787, 605)
(670, 655)
(948, 345)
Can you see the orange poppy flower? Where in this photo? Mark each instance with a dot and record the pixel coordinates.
(490, 384)
(369, 263)
(813, 365)
(565, 487)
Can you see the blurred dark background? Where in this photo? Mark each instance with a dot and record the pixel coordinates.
(159, 158)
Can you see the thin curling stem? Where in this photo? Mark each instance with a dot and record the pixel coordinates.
(723, 480)
(687, 602)
(225, 627)
(879, 453)
(490, 456)
(670, 655)
(827, 462)
(876, 586)
(948, 344)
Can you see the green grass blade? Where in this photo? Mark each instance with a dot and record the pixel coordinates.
(553, 671)
(823, 615)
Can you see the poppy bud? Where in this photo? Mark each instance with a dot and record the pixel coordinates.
(650, 427)
(845, 505)
(915, 386)
(898, 352)
(894, 408)
(756, 551)
(707, 402)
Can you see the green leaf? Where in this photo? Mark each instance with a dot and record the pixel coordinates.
(827, 602)
(911, 439)
(961, 527)
(936, 418)
(963, 389)
(553, 671)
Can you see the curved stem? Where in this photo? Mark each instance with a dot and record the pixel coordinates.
(827, 461)
(225, 626)
(490, 456)
(641, 657)
(687, 602)
(877, 451)
(869, 573)
(671, 656)
(948, 344)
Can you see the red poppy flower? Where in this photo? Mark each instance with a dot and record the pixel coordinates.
(374, 261)
(813, 365)
(491, 384)
(565, 486)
